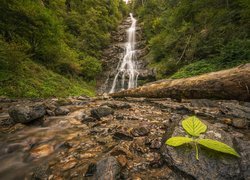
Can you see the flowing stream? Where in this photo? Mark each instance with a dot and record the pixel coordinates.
(127, 68)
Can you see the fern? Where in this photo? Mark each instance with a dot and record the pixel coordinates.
(194, 127)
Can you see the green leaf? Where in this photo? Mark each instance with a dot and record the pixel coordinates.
(177, 141)
(194, 126)
(218, 146)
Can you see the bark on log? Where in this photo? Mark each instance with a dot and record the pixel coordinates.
(227, 84)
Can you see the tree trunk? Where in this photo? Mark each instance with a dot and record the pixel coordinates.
(227, 84)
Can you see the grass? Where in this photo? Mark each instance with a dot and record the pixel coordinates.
(205, 66)
(33, 81)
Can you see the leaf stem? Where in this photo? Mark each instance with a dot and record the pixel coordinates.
(196, 151)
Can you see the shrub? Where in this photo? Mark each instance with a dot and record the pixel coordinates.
(90, 67)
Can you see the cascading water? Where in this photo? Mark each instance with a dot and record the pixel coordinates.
(127, 67)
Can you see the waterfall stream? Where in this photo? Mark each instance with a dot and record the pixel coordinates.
(127, 67)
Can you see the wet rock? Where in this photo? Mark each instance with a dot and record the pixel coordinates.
(15, 147)
(25, 114)
(17, 127)
(203, 103)
(40, 172)
(244, 147)
(42, 151)
(155, 160)
(116, 105)
(104, 140)
(83, 98)
(122, 149)
(91, 170)
(123, 135)
(211, 164)
(101, 111)
(89, 119)
(69, 165)
(108, 169)
(50, 106)
(7, 122)
(148, 141)
(138, 146)
(227, 121)
(139, 131)
(63, 102)
(156, 143)
(119, 117)
(221, 126)
(81, 116)
(66, 145)
(239, 123)
(50, 113)
(122, 160)
(133, 118)
(61, 111)
(87, 155)
(234, 109)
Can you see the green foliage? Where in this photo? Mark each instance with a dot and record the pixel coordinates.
(178, 141)
(34, 80)
(54, 35)
(195, 127)
(197, 68)
(217, 146)
(195, 35)
(90, 67)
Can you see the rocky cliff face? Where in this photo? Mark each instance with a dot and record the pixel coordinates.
(116, 51)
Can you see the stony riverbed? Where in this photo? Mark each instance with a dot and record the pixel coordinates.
(105, 138)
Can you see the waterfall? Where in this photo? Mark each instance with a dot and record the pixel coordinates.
(127, 67)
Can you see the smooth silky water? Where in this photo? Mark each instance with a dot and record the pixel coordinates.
(127, 68)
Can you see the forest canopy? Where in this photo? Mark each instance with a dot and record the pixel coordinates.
(46, 44)
(188, 37)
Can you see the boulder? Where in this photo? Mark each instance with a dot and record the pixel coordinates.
(211, 164)
(101, 111)
(25, 114)
(61, 111)
(108, 169)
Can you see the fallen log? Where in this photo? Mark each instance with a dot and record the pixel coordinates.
(227, 84)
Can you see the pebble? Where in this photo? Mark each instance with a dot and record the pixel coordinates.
(139, 131)
(123, 135)
(122, 160)
(156, 143)
(239, 123)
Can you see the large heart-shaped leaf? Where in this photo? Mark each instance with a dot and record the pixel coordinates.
(218, 146)
(177, 141)
(194, 126)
